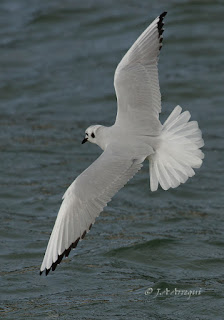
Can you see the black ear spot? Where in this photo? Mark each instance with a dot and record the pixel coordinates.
(92, 135)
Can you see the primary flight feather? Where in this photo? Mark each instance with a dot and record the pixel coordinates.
(173, 149)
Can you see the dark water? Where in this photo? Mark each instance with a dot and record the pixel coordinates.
(57, 61)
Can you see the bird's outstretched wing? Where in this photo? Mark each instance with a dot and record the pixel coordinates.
(137, 85)
(84, 200)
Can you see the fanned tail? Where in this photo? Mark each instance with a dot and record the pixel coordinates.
(178, 152)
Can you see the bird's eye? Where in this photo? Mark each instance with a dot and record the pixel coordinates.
(93, 135)
(86, 134)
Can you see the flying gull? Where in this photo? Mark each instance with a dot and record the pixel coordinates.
(172, 148)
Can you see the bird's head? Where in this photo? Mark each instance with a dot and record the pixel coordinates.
(91, 134)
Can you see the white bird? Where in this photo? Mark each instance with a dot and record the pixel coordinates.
(173, 149)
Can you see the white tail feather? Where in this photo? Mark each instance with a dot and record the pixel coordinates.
(178, 151)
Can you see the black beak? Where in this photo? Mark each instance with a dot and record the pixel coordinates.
(84, 140)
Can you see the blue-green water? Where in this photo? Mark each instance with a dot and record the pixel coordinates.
(57, 61)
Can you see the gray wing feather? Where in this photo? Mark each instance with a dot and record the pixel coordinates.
(137, 85)
(84, 200)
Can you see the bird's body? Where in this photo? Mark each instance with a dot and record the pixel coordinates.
(118, 138)
(173, 149)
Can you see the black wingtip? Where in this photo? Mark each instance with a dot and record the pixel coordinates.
(64, 254)
(54, 266)
(83, 235)
(160, 25)
(160, 22)
(163, 15)
(47, 271)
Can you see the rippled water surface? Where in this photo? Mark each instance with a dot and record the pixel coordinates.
(57, 60)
